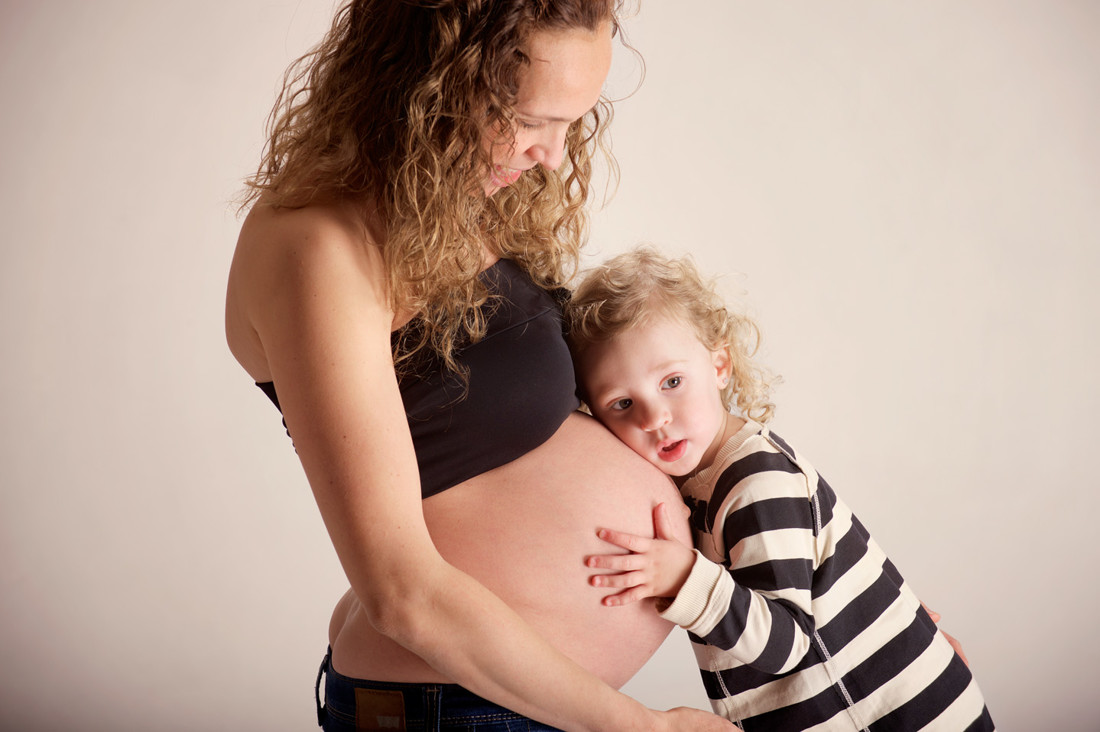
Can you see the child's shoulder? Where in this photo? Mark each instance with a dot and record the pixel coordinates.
(756, 459)
(753, 442)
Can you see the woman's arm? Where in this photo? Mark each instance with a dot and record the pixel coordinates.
(316, 299)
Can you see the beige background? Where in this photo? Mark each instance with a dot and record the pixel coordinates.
(908, 194)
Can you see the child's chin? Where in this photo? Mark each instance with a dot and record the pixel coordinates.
(673, 470)
(680, 469)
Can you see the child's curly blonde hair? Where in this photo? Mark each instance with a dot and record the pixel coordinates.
(633, 288)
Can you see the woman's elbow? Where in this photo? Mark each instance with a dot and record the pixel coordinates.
(401, 609)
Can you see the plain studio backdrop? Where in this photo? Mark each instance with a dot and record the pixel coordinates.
(907, 195)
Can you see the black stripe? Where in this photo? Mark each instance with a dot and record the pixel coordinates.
(710, 681)
(729, 629)
(930, 702)
(804, 620)
(780, 641)
(889, 660)
(769, 514)
(698, 510)
(846, 554)
(745, 678)
(892, 571)
(808, 713)
(781, 444)
(757, 462)
(777, 574)
(826, 502)
(737, 680)
(860, 613)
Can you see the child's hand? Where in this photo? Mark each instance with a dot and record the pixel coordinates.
(653, 568)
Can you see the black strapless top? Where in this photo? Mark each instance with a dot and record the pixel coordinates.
(520, 387)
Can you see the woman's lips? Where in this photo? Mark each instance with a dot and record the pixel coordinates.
(502, 177)
(673, 451)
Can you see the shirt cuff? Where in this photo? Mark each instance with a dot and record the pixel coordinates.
(698, 592)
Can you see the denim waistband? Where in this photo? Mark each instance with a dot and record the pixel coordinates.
(362, 704)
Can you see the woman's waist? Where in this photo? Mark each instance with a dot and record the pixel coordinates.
(523, 530)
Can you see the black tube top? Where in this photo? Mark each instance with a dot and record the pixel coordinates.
(520, 388)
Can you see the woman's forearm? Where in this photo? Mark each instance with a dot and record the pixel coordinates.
(469, 635)
(464, 631)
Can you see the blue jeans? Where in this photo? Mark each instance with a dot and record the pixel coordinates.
(357, 704)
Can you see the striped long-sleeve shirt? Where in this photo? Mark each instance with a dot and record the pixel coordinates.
(797, 618)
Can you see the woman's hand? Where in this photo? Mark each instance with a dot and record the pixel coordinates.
(950, 638)
(686, 718)
(653, 568)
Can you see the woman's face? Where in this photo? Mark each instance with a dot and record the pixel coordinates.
(560, 85)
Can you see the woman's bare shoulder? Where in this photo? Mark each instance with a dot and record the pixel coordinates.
(288, 258)
(270, 236)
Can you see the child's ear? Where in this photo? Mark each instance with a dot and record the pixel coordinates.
(723, 367)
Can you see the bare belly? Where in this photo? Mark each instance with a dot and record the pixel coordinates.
(524, 530)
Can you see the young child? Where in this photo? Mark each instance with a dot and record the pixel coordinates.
(797, 618)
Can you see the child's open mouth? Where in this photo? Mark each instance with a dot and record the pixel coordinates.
(673, 451)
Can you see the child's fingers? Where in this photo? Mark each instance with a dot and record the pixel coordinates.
(626, 597)
(623, 579)
(662, 523)
(630, 542)
(618, 562)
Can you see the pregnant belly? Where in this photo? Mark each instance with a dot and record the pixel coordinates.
(524, 530)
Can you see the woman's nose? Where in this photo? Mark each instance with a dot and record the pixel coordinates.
(549, 150)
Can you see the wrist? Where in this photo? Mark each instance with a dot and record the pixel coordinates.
(695, 597)
(688, 559)
(643, 718)
(629, 713)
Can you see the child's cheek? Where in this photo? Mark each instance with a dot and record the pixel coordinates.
(622, 432)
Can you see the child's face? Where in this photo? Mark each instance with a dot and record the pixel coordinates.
(658, 389)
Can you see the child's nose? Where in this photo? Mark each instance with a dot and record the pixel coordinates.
(655, 417)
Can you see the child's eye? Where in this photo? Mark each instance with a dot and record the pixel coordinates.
(620, 404)
(672, 382)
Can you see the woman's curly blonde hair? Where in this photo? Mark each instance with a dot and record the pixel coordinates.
(390, 110)
(634, 288)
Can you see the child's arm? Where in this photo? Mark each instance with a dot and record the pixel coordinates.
(760, 607)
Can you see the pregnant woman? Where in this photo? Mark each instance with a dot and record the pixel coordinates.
(420, 198)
